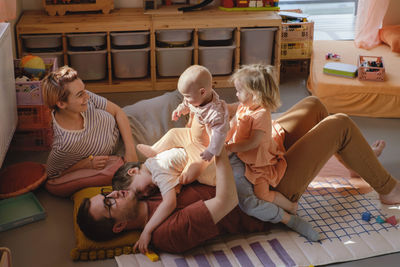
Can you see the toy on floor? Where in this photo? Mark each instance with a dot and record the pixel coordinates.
(392, 220)
(366, 216)
(152, 256)
(380, 220)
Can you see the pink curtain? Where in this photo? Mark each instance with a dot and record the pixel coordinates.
(7, 10)
(369, 19)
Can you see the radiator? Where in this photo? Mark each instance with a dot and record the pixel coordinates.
(8, 101)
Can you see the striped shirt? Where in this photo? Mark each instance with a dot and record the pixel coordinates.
(99, 136)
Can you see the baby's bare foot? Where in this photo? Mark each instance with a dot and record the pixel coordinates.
(146, 150)
(377, 147)
(393, 197)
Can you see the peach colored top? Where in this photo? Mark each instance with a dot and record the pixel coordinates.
(265, 161)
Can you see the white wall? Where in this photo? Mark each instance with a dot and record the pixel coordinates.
(38, 4)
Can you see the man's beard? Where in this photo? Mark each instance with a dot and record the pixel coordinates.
(132, 214)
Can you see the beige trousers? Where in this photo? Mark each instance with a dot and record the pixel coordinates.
(312, 137)
(194, 140)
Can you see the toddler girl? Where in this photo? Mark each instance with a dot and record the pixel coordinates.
(259, 143)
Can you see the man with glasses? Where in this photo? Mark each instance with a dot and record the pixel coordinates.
(202, 213)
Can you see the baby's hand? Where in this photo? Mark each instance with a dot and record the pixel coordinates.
(206, 155)
(175, 115)
(143, 242)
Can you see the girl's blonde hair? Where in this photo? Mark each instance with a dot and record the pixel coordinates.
(259, 80)
(53, 86)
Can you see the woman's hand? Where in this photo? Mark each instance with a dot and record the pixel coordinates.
(143, 242)
(98, 162)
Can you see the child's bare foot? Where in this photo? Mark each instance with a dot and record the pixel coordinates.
(146, 150)
(393, 197)
(378, 148)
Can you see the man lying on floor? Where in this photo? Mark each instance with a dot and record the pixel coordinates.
(205, 212)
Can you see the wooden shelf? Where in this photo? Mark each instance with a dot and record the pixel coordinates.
(133, 19)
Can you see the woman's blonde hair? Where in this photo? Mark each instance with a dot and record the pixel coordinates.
(53, 86)
(259, 80)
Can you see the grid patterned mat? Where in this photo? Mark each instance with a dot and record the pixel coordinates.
(334, 207)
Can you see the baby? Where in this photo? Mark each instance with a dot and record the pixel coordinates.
(206, 132)
(162, 171)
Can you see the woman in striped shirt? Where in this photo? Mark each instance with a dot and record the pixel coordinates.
(86, 126)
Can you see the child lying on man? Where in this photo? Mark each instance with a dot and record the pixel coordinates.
(163, 171)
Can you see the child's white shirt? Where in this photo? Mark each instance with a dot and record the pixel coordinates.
(166, 167)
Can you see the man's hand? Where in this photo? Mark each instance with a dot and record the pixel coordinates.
(143, 242)
(206, 155)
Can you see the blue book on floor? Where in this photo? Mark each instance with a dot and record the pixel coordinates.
(20, 210)
(341, 69)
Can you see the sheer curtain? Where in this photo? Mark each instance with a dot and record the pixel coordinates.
(7, 10)
(369, 19)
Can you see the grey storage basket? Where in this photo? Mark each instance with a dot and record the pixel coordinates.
(256, 45)
(90, 65)
(130, 63)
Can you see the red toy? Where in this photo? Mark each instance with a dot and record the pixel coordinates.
(392, 220)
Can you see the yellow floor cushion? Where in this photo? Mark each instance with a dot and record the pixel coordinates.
(87, 249)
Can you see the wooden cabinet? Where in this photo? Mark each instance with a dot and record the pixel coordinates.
(38, 22)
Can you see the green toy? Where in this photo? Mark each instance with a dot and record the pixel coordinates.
(341, 69)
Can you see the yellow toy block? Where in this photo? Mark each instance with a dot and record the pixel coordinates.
(152, 256)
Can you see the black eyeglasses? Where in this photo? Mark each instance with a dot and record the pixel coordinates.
(108, 201)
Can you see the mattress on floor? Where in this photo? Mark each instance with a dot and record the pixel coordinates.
(352, 96)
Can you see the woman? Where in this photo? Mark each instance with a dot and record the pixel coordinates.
(86, 126)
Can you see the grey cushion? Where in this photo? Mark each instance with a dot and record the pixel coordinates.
(150, 119)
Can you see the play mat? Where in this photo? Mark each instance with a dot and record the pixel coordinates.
(334, 206)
